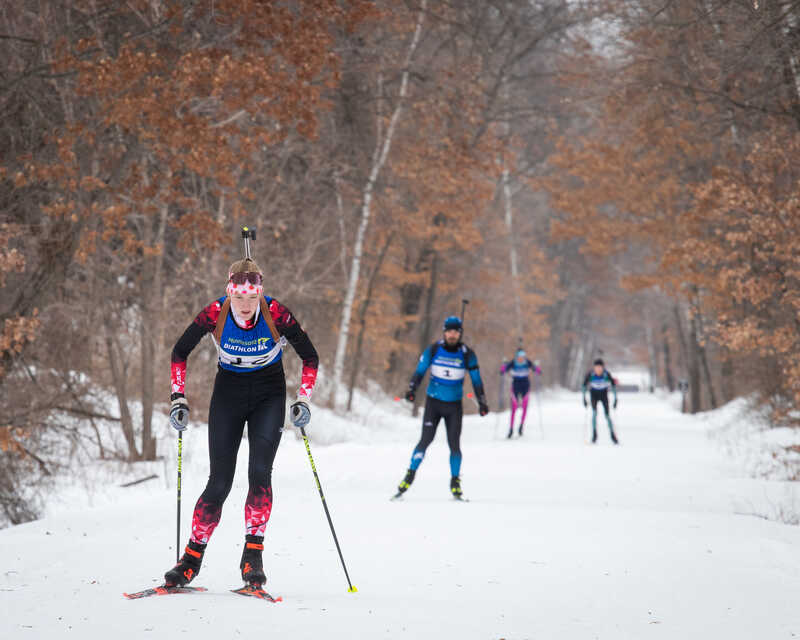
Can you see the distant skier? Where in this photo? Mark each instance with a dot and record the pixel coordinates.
(449, 361)
(250, 331)
(521, 368)
(597, 381)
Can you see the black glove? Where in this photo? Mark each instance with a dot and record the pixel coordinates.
(483, 407)
(615, 403)
(411, 393)
(179, 412)
(300, 414)
(585, 402)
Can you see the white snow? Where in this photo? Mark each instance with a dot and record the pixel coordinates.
(633, 377)
(657, 538)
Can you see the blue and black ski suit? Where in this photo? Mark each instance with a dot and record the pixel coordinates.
(449, 366)
(598, 386)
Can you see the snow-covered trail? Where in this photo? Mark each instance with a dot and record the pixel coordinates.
(560, 540)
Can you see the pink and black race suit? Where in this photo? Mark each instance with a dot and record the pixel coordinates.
(250, 388)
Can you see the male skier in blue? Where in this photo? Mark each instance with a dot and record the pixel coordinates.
(449, 361)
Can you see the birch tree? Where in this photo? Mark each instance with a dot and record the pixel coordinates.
(381, 153)
(508, 206)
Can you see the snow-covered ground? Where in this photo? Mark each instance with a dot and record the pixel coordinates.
(662, 537)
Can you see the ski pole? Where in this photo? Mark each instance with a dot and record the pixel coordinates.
(585, 424)
(464, 303)
(499, 406)
(471, 396)
(180, 459)
(352, 589)
(539, 404)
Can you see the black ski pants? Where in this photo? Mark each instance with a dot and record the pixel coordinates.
(435, 410)
(601, 396)
(258, 399)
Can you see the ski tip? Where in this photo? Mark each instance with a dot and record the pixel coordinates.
(162, 590)
(257, 592)
(352, 589)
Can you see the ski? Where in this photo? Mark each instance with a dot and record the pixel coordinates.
(256, 592)
(163, 590)
(399, 496)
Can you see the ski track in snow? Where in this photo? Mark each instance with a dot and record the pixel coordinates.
(560, 539)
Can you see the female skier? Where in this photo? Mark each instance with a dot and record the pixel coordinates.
(521, 368)
(250, 331)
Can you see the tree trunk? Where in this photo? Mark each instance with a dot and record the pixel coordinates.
(699, 331)
(509, 220)
(652, 356)
(577, 361)
(427, 319)
(427, 316)
(562, 342)
(693, 362)
(381, 153)
(508, 207)
(788, 63)
(148, 385)
(681, 337)
(712, 396)
(362, 316)
(149, 329)
(342, 232)
(563, 360)
(670, 378)
(728, 379)
(118, 378)
(150, 285)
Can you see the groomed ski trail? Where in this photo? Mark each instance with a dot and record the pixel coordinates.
(561, 540)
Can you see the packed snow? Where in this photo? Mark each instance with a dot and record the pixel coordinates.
(667, 536)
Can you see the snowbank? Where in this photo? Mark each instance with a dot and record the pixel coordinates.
(746, 435)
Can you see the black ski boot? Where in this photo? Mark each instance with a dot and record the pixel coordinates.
(510, 432)
(614, 437)
(521, 427)
(594, 436)
(251, 565)
(455, 487)
(406, 483)
(188, 567)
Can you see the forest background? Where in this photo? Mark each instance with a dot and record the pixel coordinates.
(597, 178)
